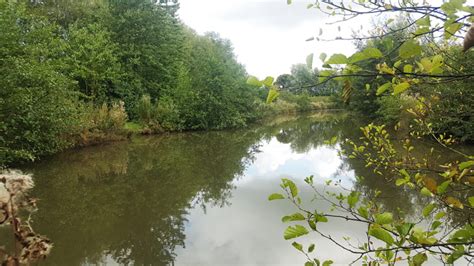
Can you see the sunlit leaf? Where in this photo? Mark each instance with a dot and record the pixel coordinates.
(272, 95)
(297, 245)
(327, 263)
(275, 196)
(465, 165)
(337, 59)
(381, 234)
(419, 259)
(363, 212)
(254, 81)
(295, 231)
(384, 218)
(440, 215)
(426, 192)
(409, 49)
(450, 29)
(294, 217)
(441, 189)
(268, 82)
(320, 218)
(291, 185)
(424, 21)
(399, 88)
(404, 229)
(428, 209)
(352, 199)
(384, 88)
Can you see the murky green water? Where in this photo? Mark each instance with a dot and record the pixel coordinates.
(196, 198)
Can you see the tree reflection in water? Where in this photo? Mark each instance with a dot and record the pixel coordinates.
(128, 202)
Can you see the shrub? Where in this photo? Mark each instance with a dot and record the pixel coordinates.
(166, 113)
(145, 109)
(392, 108)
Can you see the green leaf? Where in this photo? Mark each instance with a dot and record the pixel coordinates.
(471, 201)
(409, 49)
(381, 234)
(440, 215)
(272, 95)
(384, 218)
(404, 229)
(428, 209)
(268, 82)
(294, 217)
(294, 232)
(458, 253)
(408, 68)
(312, 224)
(384, 88)
(435, 225)
(450, 29)
(275, 196)
(311, 248)
(323, 57)
(363, 212)
(441, 189)
(298, 246)
(368, 53)
(337, 59)
(373, 52)
(352, 199)
(288, 2)
(309, 263)
(419, 259)
(465, 165)
(328, 263)
(426, 192)
(424, 21)
(320, 218)
(286, 183)
(254, 81)
(399, 88)
(309, 61)
(400, 182)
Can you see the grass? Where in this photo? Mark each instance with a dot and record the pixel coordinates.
(133, 127)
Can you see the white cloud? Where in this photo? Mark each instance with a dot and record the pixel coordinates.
(268, 35)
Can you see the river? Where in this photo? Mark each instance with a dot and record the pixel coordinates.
(198, 198)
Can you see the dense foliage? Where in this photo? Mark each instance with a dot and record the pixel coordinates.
(73, 72)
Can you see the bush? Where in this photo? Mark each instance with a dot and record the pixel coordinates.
(38, 109)
(452, 110)
(304, 102)
(392, 108)
(167, 114)
(144, 109)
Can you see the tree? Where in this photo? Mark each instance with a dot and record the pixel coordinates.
(403, 69)
(92, 61)
(37, 105)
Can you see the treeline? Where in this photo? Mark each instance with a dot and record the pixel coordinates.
(74, 72)
(302, 79)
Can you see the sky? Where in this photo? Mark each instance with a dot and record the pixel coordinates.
(268, 35)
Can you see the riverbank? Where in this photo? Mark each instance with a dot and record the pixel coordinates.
(124, 130)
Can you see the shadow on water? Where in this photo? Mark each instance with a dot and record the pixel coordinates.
(130, 202)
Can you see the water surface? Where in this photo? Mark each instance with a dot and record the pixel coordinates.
(198, 198)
